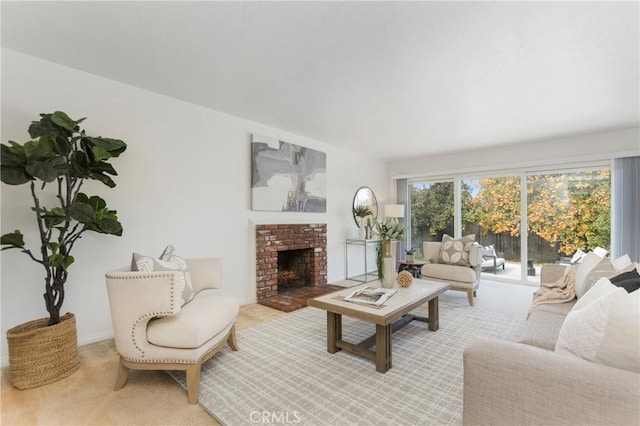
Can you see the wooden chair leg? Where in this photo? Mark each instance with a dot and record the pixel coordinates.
(475, 293)
(233, 343)
(123, 374)
(193, 382)
(470, 296)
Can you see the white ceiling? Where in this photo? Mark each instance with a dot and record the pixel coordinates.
(394, 78)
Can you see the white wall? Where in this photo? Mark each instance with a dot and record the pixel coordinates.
(184, 179)
(557, 152)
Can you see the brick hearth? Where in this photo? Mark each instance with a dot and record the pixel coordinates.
(273, 238)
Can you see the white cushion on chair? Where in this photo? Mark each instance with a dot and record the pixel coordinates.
(207, 315)
(462, 274)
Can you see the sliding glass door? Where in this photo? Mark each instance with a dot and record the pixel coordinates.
(566, 212)
(431, 212)
(562, 212)
(490, 209)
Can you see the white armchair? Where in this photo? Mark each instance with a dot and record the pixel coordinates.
(153, 332)
(461, 278)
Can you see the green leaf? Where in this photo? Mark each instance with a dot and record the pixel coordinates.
(103, 167)
(60, 261)
(46, 126)
(99, 153)
(97, 203)
(114, 147)
(81, 212)
(103, 178)
(68, 261)
(82, 198)
(53, 247)
(62, 145)
(110, 226)
(53, 217)
(14, 175)
(42, 170)
(40, 148)
(63, 120)
(13, 156)
(14, 239)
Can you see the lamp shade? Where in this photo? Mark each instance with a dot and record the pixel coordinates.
(394, 210)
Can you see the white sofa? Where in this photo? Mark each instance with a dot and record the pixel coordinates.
(461, 278)
(528, 383)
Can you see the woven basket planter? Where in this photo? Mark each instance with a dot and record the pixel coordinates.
(39, 355)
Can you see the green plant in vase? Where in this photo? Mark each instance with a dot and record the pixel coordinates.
(55, 163)
(410, 254)
(388, 230)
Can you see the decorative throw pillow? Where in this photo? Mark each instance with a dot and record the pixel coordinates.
(621, 263)
(170, 254)
(605, 331)
(604, 269)
(169, 261)
(456, 252)
(584, 267)
(630, 280)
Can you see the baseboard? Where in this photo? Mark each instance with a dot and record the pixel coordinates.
(86, 340)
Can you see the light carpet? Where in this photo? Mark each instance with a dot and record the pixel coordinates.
(283, 373)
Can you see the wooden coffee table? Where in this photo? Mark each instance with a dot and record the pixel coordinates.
(390, 317)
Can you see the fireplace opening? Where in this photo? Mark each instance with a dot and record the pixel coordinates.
(294, 269)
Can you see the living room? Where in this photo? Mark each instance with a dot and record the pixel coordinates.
(137, 88)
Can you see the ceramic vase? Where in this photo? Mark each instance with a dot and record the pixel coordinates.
(389, 268)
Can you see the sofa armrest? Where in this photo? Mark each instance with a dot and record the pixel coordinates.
(508, 383)
(551, 272)
(475, 255)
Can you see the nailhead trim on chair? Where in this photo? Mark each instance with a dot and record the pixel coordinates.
(151, 314)
(174, 361)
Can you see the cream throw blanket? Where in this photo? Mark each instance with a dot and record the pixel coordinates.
(562, 291)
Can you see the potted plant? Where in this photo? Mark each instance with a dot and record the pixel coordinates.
(410, 255)
(388, 230)
(64, 156)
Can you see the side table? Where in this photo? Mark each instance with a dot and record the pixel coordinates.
(368, 275)
(414, 267)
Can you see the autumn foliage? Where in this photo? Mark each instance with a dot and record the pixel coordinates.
(569, 211)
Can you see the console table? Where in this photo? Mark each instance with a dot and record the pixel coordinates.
(368, 275)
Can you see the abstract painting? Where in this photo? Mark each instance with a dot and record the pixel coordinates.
(287, 177)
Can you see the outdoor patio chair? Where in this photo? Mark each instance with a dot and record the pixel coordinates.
(491, 259)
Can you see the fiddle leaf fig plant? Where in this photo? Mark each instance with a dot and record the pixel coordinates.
(59, 159)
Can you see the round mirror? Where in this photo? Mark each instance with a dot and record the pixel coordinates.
(364, 204)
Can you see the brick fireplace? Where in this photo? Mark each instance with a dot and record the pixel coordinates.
(309, 241)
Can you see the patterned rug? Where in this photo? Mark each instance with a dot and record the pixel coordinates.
(283, 374)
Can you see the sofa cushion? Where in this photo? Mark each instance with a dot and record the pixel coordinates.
(622, 262)
(557, 308)
(456, 252)
(207, 315)
(606, 330)
(543, 326)
(443, 271)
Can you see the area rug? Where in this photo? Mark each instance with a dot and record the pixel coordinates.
(283, 374)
